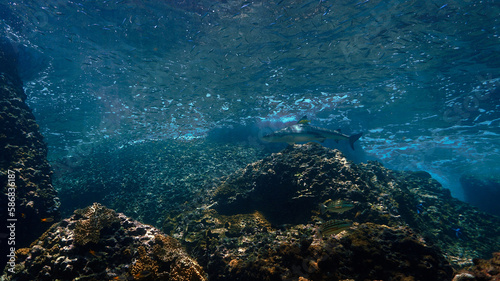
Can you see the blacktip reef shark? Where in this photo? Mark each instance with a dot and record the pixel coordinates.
(303, 132)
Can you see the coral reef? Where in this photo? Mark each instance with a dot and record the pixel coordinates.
(23, 164)
(369, 252)
(98, 244)
(261, 221)
(288, 187)
(145, 180)
(95, 218)
(482, 270)
(246, 247)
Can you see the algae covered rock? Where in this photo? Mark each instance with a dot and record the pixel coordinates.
(307, 213)
(287, 186)
(481, 270)
(368, 252)
(290, 187)
(93, 219)
(98, 244)
(246, 247)
(29, 199)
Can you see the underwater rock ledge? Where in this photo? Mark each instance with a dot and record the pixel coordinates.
(98, 244)
(28, 197)
(280, 218)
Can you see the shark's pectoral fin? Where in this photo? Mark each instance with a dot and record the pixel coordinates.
(354, 138)
(322, 140)
(290, 143)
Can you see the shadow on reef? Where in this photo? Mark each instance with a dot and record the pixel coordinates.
(280, 218)
(482, 192)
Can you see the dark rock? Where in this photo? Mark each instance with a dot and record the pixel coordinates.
(288, 187)
(22, 157)
(68, 251)
(286, 184)
(264, 222)
(370, 252)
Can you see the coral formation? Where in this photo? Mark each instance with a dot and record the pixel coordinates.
(288, 188)
(482, 270)
(373, 252)
(113, 247)
(366, 251)
(95, 218)
(405, 225)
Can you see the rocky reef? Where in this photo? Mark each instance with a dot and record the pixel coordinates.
(96, 243)
(145, 180)
(267, 222)
(305, 213)
(483, 270)
(27, 195)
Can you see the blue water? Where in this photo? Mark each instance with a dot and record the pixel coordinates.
(419, 78)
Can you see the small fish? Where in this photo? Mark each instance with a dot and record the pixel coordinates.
(123, 277)
(304, 120)
(47, 220)
(357, 214)
(142, 274)
(459, 233)
(334, 227)
(420, 208)
(338, 206)
(92, 252)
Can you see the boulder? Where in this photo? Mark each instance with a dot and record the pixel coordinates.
(96, 243)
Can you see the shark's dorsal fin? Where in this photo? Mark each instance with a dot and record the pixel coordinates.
(304, 120)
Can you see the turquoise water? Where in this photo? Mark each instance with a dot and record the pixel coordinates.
(419, 78)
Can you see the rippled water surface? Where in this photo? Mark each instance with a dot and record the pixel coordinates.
(419, 78)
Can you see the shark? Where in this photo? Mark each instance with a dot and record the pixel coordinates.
(304, 132)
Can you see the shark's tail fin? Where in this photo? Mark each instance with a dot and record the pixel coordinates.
(353, 139)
